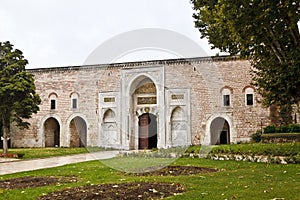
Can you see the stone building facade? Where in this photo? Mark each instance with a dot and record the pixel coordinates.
(142, 105)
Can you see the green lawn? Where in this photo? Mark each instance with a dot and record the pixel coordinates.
(280, 149)
(235, 180)
(46, 152)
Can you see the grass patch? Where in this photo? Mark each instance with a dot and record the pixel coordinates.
(241, 180)
(280, 149)
(136, 164)
(30, 153)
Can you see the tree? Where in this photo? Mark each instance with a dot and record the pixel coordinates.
(18, 99)
(264, 31)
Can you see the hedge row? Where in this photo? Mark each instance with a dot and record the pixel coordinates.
(252, 149)
(278, 138)
(292, 128)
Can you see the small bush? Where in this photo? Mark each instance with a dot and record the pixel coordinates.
(256, 137)
(270, 129)
(285, 129)
(193, 149)
(295, 128)
(292, 128)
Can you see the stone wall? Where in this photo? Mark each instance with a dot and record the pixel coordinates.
(204, 78)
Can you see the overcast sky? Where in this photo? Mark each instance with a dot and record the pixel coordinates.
(65, 32)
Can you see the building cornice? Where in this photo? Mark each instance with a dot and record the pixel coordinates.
(193, 60)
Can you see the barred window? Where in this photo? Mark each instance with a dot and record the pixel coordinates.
(74, 100)
(226, 96)
(249, 96)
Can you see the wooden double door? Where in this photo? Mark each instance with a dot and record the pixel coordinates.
(147, 131)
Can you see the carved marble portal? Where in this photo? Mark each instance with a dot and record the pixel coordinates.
(142, 95)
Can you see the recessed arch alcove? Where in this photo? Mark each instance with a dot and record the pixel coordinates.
(78, 132)
(178, 127)
(51, 129)
(109, 128)
(220, 131)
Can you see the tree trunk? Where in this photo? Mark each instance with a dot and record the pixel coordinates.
(286, 114)
(5, 135)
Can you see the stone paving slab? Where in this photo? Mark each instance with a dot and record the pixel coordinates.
(2, 160)
(16, 165)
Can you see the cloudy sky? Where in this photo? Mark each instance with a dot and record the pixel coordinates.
(65, 32)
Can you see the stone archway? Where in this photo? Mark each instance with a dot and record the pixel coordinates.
(220, 131)
(52, 132)
(143, 102)
(78, 132)
(147, 131)
(142, 92)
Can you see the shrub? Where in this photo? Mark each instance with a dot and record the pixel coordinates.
(270, 129)
(193, 149)
(295, 128)
(256, 137)
(285, 129)
(292, 128)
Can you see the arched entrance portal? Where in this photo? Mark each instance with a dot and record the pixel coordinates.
(147, 131)
(144, 105)
(78, 132)
(52, 132)
(220, 131)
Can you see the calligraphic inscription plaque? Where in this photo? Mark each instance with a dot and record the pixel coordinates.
(146, 100)
(109, 99)
(177, 96)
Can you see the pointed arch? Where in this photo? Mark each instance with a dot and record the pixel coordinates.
(110, 135)
(109, 116)
(220, 131)
(139, 81)
(51, 131)
(178, 127)
(132, 79)
(143, 101)
(78, 132)
(207, 138)
(177, 113)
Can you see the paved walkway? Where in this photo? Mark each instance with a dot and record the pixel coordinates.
(13, 166)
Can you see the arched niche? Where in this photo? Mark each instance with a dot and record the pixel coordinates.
(178, 127)
(51, 132)
(78, 132)
(109, 128)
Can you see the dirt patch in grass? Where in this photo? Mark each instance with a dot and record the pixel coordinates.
(135, 190)
(174, 171)
(32, 182)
